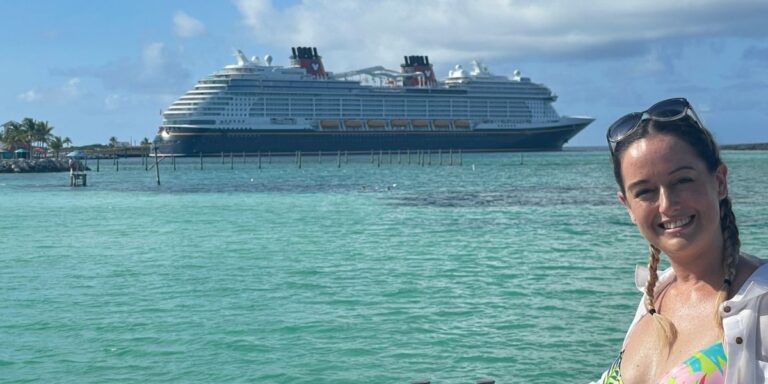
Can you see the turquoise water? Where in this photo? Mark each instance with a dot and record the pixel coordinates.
(359, 274)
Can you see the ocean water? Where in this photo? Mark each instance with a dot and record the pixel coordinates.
(327, 274)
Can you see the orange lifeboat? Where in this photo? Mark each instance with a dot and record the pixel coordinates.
(329, 124)
(399, 123)
(441, 123)
(353, 124)
(461, 124)
(376, 124)
(420, 124)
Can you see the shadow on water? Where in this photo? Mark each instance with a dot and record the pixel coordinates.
(509, 197)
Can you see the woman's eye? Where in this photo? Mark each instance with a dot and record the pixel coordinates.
(642, 192)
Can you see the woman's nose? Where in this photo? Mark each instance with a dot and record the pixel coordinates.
(668, 201)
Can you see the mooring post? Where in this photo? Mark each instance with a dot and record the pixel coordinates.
(222, 157)
(450, 156)
(97, 164)
(269, 157)
(398, 156)
(338, 159)
(299, 159)
(371, 156)
(408, 153)
(201, 160)
(429, 157)
(173, 160)
(461, 159)
(117, 164)
(157, 167)
(258, 154)
(231, 161)
(346, 158)
(521, 158)
(146, 161)
(440, 155)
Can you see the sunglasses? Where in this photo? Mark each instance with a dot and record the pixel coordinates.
(665, 110)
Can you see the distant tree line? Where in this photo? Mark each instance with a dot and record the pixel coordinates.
(30, 133)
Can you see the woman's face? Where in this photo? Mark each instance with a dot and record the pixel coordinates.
(671, 196)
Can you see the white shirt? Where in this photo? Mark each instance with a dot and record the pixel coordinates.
(745, 324)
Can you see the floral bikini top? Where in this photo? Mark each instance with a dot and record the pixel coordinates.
(706, 366)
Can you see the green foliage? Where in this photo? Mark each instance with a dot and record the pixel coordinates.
(24, 135)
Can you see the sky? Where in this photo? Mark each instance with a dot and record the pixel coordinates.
(95, 69)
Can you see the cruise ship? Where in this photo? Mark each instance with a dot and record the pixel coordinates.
(253, 106)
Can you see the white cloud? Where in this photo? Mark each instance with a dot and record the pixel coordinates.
(187, 26)
(449, 30)
(113, 101)
(30, 96)
(69, 91)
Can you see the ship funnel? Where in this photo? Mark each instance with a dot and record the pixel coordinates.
(418, 71)
(307, 58)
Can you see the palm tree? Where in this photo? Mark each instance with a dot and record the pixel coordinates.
(145, 142)
(28, 128)
(14, 136)
(43, 133)
(67, 141)
(113, 142)
(56, 144)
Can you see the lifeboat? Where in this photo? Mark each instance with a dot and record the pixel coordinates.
(399, 123)
(461, 124)
(353, 124)
(441, 123)
(420, 124)
(377, 124)
(329, 124)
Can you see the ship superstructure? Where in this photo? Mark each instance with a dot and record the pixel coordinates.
(253, 106)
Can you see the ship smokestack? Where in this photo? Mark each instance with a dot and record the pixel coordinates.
(417, 64)
(307, 58)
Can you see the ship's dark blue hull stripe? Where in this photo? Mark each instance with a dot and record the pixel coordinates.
(195, 141)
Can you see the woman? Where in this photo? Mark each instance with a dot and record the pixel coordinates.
(704, 319)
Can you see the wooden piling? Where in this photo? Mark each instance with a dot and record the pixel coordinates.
(222, 157)
(461, 158)
(299, 159)
(157, 167)
(338, 159)
(97, 164)
(231, 161)
(450, 157)
(440, 155)
(173, 160)
(201, 160)
(259, 156)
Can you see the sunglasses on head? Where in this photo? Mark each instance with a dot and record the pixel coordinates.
(665, 110)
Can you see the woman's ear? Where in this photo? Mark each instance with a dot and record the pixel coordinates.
(721, 174)
(623, 200)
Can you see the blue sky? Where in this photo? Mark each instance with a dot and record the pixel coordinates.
(96, 69)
